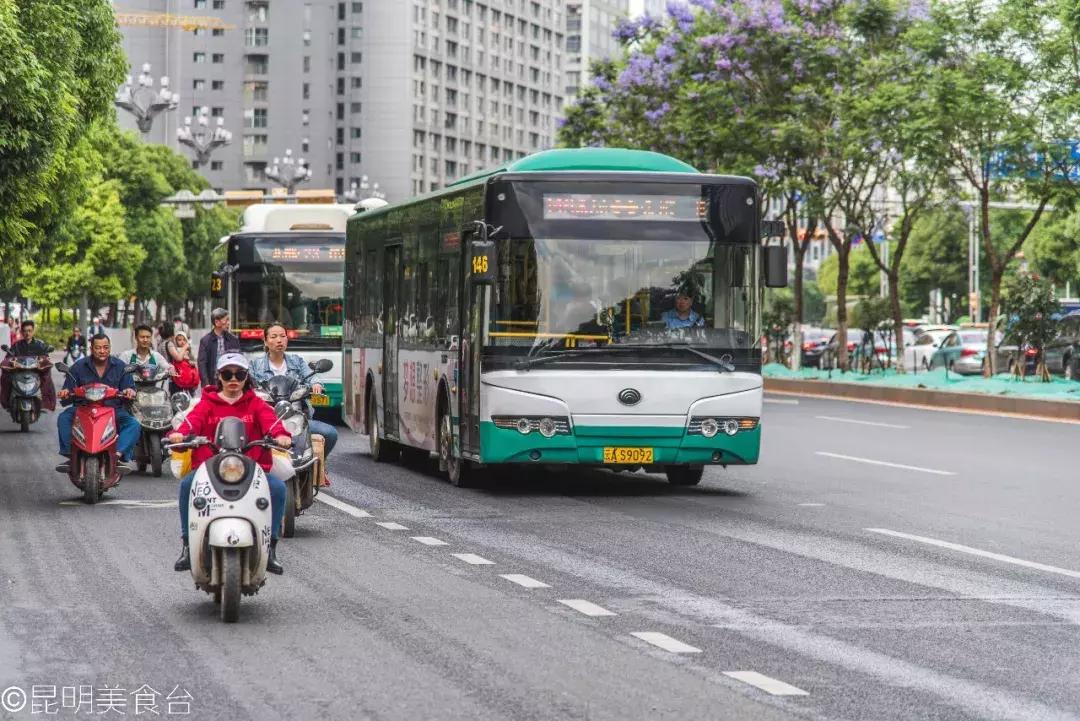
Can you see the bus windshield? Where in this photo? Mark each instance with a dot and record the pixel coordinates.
(297, 282)
(585, 292)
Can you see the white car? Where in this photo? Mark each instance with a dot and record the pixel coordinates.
(927, 340)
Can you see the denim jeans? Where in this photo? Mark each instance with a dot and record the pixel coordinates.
(325, 430)
(128, 430)
(277, 503)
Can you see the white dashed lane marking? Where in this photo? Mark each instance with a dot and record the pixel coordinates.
(523, 580)
(662, 640)
(872, 462)
(343, 506)
(834, 419)
(391, 526)
(429, 541)
(586, 607)
(473, 560)
(767, 684)
(977, 552)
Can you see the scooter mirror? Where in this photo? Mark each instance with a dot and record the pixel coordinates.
(4, 348)
(131, 367)
(62, 367)
(322, 365)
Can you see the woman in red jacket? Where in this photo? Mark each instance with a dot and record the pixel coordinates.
(233, 398)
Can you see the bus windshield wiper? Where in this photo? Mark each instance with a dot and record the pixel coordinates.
(531, 360)
(724, 365)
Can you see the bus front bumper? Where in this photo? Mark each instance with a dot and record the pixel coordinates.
(585, 445)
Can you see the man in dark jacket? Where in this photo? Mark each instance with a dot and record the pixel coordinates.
(27, 346)
(216, 344)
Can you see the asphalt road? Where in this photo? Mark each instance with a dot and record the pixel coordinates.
(880, 563)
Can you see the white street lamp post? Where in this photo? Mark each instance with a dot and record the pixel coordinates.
(288, 173)
(144, 102)
(201, 138)
(363, 190)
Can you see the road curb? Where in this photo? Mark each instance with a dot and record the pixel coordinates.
(925, 397)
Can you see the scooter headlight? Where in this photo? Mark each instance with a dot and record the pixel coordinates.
(294, 424)
(28, 386)
(95, 394)
(231, 469)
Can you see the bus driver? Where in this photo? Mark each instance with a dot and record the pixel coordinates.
(683, 314)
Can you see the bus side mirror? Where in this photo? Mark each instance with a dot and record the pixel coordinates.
(775, 266)
(772, 229)
(483, 262)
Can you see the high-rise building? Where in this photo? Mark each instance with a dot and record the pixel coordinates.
(656, 8)
(455, 86)
(411, 93)
(589, 28)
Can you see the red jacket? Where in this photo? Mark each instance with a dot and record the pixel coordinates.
(258, 417)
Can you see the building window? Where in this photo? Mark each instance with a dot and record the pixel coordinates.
(255, 145)
(257, 65)
(255, 118)
(357, 8)
(354, 108)
(199, 57)
(198, 84)
(356, 33)
(219, 4)
(307, 63)
(356, 58)
(217, 112)
(307, 91)
(354, 133)
(255, 90)
(217, 85)
(357, 82)
(354, 158)
(254, 172)
(256, 37)
(217, 165)
(200, 4)
(218, 58)
(217, 32)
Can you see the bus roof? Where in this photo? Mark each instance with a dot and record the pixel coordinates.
(272, 218)
(609, 159)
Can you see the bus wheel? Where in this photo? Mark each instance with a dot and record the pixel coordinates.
(458, 471)
(382, 450)
(684, 475)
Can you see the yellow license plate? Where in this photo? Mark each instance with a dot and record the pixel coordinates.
(320, 400)
(628, 455)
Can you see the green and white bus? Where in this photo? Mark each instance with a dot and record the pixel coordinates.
(593, 306)
(286, 264)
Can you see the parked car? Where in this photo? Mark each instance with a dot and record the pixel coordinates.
(829, 359)
(963, 351)
(814, 341)
(1009, 350)
(859, 347)
(927, 340)
(1063, 353)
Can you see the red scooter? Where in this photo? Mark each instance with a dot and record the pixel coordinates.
(93, 467)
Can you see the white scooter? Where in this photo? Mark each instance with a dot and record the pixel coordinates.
(229, 518)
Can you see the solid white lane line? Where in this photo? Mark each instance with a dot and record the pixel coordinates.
(977, 552)
(662, 640)
(812, 505)
(343, 506)
(523, 580)
(429, 541)
(872, 462)
(473, 559)
(391, 526)
(861, 423)
(586, 607)
(767, 684)
(782, 401)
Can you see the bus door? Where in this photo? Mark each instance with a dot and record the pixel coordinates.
(391, 298)
(469, 401)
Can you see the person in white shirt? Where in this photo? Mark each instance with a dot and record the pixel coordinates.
(143, 353)
(5, 334)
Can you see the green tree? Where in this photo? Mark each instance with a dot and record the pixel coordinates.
(1030, 304)
(937, 257)
(863, 276)
(1004, 78)
(60, 64)
(1054, 248)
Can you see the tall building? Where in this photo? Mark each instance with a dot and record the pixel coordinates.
(411, 93)
(454, 86)
(656, 8)
(285, 78)
(589, 28)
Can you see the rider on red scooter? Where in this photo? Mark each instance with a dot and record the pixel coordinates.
(28, 345)
(100, 367)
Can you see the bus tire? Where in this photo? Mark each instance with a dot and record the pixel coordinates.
(382, 450)
(684, 475)
(458, 470)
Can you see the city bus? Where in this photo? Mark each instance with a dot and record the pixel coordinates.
(575, 307)
(286, 264)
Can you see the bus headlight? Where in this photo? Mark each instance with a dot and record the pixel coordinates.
(547, 427)
(524, 426)
(709, 427)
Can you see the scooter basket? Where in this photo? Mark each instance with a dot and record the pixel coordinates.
(318, 446)
(180, 463)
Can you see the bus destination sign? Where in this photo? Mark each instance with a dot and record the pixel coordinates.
(608, 206)
(300, 253)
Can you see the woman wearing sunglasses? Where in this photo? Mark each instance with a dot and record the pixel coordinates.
(233, 398)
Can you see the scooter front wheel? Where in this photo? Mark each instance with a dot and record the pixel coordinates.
(91, 479)
(231, 572)
(155, 453)
(288, 524)
(24, 422)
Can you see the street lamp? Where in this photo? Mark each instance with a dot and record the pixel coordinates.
(288, 173)
(144, 102)
(201, 138)
(362, 190)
